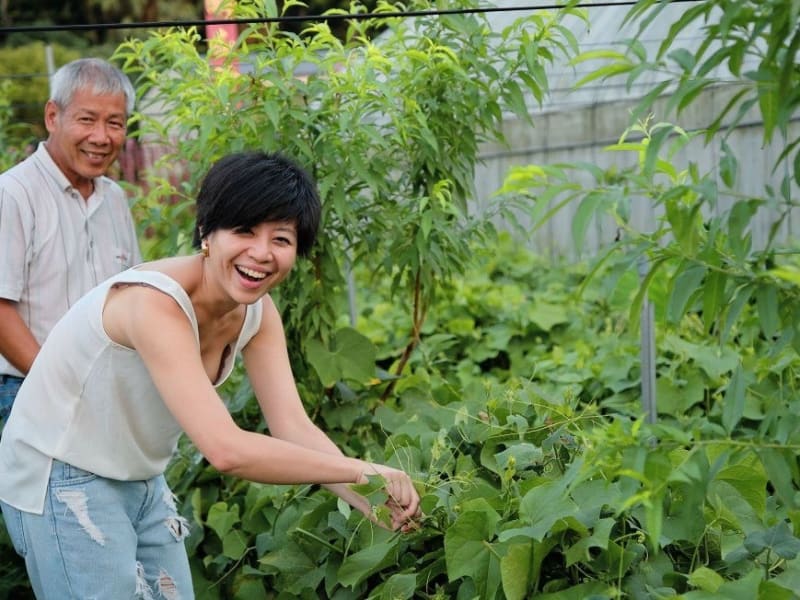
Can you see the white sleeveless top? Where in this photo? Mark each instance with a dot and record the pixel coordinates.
(91, 402)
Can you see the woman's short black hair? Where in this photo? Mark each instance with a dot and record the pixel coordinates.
(246, 189)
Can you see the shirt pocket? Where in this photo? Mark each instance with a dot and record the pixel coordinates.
(123, 258)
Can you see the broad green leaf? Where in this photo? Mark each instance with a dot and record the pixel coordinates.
(677, 397)
(591, 590)
(781, 467)
(524, 455)
(684, 58)
(706, 579)
(685, 284)
(580, 550)
(515, 98)
(789, 578)
(715, 360)
(288, 559)
(734, 309)
(713, 297)
(768, 102)
(547, 315)
(235, 544)
(728, 507)
(767, 305)
(651, 155)
(654, 519)
(250, 588)
(787, 273)
(515, 570)
(351, 358)
(683, 219)
(751, 482)
(544, 505)
(714, 60)
(772, 590)
(605, 55)
(221, 518)
(400, 586)
(733, 401)
(583, 217)
(594, 497)
(728, 166)
(778, 539)
(468, 544)
(744, 588)
(738, 220)
(360, 565)
(605, 72)
(690, 14)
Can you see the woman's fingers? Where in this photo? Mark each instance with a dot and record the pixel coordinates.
(403, 502)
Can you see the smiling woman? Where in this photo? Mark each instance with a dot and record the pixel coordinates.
(99, 416)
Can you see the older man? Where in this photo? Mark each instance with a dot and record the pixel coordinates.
(64, 225)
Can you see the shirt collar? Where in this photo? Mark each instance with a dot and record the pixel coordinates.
(51, 168)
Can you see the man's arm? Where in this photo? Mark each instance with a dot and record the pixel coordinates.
(17, 343)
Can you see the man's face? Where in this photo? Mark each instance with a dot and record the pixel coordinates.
(86, 135)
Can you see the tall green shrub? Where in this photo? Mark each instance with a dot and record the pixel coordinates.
(390, 126)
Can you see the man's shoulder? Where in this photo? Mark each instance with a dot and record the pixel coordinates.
(112, 190)
(20, 183)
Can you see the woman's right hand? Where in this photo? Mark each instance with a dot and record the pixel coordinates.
(403, 502)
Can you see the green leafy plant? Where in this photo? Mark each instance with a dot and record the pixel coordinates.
(25, 86)
(538, 479)
(390, 126)
(13, 139)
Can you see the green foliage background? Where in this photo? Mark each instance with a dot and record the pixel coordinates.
(509, 389)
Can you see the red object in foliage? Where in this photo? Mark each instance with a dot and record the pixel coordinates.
(226, 33)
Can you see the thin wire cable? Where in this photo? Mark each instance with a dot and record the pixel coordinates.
(306, 18)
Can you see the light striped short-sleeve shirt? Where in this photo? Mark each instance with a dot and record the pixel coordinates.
(55, 245)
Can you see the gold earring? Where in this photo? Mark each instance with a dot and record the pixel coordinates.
(204, 249)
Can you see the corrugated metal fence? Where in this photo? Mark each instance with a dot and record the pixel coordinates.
(581, 134)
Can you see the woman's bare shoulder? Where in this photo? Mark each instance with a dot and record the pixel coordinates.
(183, 269)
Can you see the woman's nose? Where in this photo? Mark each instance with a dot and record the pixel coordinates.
(261, 249)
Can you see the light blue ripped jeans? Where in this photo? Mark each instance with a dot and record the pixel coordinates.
(103, 539)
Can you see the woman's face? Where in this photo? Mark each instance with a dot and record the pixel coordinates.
(252, 261)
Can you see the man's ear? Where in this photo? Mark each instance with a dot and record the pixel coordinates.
(51, 111)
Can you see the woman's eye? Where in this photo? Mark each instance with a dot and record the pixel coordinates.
(243, 230)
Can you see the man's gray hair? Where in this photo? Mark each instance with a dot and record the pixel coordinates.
(92, 74)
